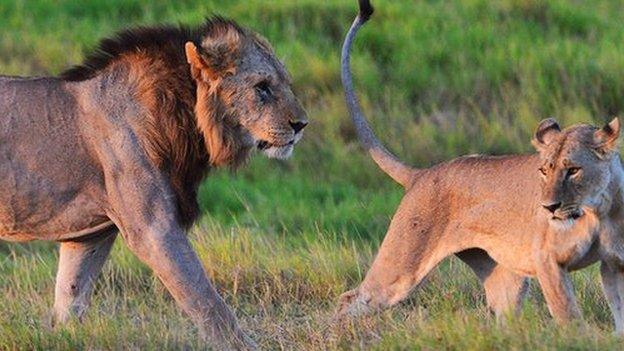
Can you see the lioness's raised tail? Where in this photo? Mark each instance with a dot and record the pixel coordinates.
(388, 163)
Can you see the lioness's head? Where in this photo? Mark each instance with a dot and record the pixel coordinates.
(575, 167)
(244, 95)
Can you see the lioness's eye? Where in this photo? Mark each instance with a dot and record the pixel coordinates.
(573, 170)
(263, 90)
(542, 171)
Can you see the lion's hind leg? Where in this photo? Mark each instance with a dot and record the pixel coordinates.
(504, 289)
(80, 262)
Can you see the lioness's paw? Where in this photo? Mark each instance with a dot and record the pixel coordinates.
(351, 304)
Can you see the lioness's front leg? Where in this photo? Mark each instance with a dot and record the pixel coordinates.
(557, 289)
(80, 262)
(613, 286)
(504, 290)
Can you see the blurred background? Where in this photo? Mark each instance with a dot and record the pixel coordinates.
(438, 79)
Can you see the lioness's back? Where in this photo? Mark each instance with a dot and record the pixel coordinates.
(493, 171)
(499, 182)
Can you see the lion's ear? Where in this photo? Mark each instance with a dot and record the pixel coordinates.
(607, 138)
(545, 133)
(199, 68)
(222, 49)
(217, 56)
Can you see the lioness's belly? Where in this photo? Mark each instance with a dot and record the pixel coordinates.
(516, 250)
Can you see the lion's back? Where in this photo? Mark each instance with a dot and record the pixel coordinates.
(43, 164)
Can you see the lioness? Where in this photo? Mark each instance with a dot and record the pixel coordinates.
(121, 143)
(507, 217)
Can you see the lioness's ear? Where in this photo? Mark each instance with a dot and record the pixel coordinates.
(606, 139)
(545, 132)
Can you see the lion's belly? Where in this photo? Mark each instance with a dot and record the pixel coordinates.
(40, 200)
(60, 226)
(33, 235)
(35, 207)
(36, 216)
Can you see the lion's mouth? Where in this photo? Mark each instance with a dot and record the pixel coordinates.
(264, 145)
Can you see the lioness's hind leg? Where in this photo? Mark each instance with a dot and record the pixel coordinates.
(80, 262)
(504, 290)
(410, 250)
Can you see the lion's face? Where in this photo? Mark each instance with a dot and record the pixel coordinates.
(260, 97)
(575, 168)
(244, 96)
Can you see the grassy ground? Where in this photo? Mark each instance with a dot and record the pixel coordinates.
(283, 240)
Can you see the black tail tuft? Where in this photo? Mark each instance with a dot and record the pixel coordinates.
(366, 10)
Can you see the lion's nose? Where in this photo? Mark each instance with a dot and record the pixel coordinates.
(552, 207)
(298, 126)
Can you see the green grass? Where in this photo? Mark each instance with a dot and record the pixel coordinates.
(282, 240)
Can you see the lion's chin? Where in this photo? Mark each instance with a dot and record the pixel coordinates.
(279, 152)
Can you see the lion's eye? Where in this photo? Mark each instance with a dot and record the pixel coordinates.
(263, 90)
(542, 170)
(572, 171)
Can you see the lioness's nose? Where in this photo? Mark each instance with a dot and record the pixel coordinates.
(298, 126)
(552, 207)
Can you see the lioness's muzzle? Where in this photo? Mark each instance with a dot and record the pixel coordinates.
(568, 212)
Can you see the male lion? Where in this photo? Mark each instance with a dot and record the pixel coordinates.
(501, 217)
(120, 144)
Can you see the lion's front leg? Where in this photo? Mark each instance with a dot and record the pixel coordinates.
(557, 289)
(171, 257)
(80, 262)
(143, 206)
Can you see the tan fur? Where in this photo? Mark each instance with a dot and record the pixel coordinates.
(121, 143)
(507, 217)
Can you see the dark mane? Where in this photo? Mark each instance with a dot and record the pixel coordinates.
(156, 67)
(155, 39)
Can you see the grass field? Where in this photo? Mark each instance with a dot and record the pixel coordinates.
(283, 239)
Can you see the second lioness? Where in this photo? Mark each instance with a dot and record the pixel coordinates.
(508, 217)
